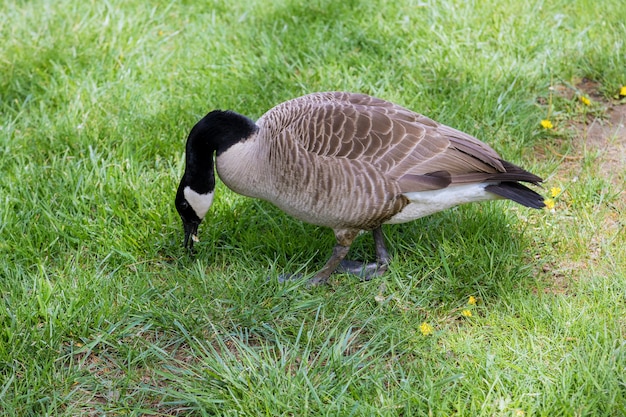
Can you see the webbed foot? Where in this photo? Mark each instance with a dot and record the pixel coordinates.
(365, 271)
(282, 278)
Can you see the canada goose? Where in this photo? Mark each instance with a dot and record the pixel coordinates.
(347, 161)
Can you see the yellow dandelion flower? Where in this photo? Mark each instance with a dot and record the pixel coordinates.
(466, 313)
(426, 329)
(622, 91)
(555, 191)
(550, 203)
(519, 413)
(585, 100)
(546, 124)
(472, 300)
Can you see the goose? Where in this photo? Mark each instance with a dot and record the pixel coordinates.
(347, 161)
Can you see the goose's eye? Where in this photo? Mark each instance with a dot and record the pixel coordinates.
(184, 205)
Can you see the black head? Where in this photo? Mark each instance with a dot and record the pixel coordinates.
(188, 215)
(214, 133)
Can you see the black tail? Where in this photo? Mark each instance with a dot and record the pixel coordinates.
(516, 173)
(518, 193)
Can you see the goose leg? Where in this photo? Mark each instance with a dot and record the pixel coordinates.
(367, 271)
(339, 252)
(344, 237)
(337, 263)
(382, 256)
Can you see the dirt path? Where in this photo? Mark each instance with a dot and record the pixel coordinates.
(591, 148)
(604, 137)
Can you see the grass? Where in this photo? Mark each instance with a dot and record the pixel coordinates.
(103, 313)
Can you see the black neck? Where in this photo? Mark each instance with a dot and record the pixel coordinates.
(199, 172)
(219, 130)
(214, 133)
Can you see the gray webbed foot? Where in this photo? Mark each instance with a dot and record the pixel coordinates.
(365, 271)
(282, 278)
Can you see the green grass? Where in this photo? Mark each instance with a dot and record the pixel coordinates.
(103, 313)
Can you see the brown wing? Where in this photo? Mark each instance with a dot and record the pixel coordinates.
(406, 147)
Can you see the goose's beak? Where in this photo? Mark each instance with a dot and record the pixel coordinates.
(191, 230)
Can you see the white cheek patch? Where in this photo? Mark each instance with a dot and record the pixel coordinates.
(200, 203)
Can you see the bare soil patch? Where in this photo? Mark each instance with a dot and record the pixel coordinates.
(598, 136)
(604, 135)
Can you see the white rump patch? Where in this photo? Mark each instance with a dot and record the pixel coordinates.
(424, 203)
(200, 203)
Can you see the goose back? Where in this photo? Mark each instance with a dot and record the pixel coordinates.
(349, 161)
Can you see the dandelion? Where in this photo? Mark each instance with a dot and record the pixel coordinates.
(472, 300)
(585, 100)
(466, 313)
(426, 329)
(547, 124)
(622, 91)
(555, 191)
(550, 203)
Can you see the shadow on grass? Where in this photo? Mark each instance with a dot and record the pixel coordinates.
(469, 250)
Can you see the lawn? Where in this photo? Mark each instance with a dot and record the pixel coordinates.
(487, 310)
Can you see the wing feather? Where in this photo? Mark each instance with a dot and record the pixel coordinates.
(403, 146)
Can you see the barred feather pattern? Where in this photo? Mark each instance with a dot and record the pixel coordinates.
(346, 160)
